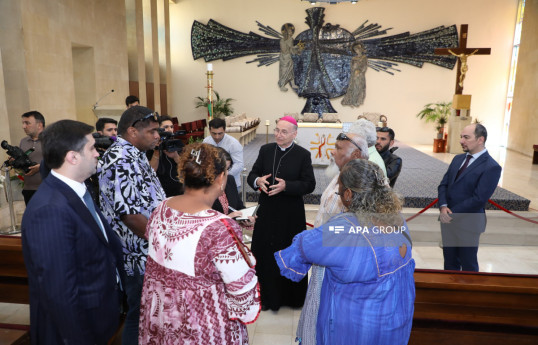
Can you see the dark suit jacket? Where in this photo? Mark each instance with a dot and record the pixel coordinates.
(74, 297)
(472, 190)
(393, 164)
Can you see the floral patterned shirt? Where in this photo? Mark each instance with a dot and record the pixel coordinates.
(128, 185)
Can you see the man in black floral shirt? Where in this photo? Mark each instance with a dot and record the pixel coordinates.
(129, 192)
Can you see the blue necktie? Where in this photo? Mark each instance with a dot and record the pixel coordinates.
(89, 203)
(91, 206)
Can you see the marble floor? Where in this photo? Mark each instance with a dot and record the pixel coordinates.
(519, 176)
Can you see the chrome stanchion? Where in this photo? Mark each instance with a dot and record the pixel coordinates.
(13, 229)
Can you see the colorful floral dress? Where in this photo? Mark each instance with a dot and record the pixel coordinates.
(198, 288)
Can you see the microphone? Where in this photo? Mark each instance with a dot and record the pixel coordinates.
(97, 103)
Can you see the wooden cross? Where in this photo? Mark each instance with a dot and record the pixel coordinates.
(462, 52)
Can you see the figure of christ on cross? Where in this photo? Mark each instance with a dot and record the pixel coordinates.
(462, 52)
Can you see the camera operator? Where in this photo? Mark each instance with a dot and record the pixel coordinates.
(164, 162)
(107, 126)
(33, 124)
(106, 133)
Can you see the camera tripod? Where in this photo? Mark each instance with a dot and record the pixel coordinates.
(13, 229)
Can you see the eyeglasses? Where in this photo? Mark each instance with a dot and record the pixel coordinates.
(342, 136)
(283, 131)
(154, 115)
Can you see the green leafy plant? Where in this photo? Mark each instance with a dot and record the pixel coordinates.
(220, 105)
(437, 113)
(192, 140)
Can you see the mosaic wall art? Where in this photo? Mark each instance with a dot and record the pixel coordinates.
(326, 61)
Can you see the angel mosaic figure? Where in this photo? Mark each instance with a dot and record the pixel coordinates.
(356, 91)
(285, 75)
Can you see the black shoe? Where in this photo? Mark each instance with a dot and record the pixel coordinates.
(265, 308)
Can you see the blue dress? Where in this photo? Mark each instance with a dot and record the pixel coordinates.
(368, 292)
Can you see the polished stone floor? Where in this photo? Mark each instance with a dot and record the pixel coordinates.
(506, 249)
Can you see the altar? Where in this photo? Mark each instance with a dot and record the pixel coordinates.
(319, 139)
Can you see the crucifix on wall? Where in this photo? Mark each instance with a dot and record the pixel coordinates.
(462, 52)
(461, 103)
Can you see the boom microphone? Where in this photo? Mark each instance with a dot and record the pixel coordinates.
(97, 103)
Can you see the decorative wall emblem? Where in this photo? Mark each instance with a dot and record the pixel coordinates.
(325, 61)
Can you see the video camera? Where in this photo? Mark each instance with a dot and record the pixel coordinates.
(168, 143)
(102, 142)
(20, 159)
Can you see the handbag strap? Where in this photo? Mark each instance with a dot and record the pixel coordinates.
(238, 242)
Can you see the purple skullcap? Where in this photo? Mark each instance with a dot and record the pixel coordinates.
(289, 119)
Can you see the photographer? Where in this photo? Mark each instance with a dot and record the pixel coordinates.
(164, 161)
(33, 124)
(107, 126)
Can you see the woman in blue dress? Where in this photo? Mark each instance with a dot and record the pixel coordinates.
(368, 292)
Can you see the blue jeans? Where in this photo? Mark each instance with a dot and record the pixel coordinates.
(133, 290)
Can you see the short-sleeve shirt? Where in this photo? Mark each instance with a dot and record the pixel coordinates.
(128, 185)
(27, 143)
(235, 149)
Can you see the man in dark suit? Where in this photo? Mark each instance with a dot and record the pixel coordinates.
(464, 191)
(71, 254)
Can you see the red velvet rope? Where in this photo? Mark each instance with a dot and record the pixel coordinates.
(435, 201)
(423, 210)
(512, 213)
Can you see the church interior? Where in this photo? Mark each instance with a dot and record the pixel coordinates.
(79, 60)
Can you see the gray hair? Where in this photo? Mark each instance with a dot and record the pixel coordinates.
(364, 129)
(371, 195)
(362, 144)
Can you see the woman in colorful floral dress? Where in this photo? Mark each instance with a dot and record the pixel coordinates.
(200, 285)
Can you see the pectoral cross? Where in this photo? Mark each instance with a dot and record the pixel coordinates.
(462, 52)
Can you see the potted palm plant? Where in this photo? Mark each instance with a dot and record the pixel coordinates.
(437, 113)
(221, 106)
